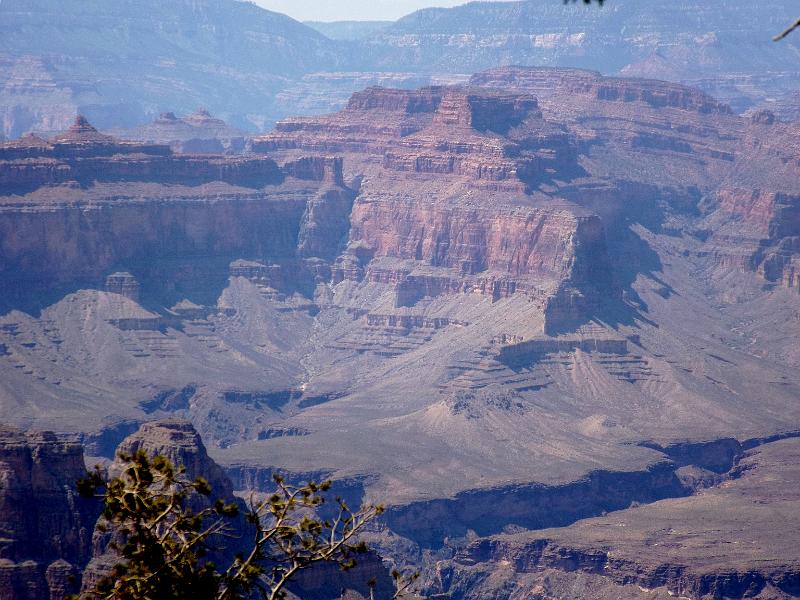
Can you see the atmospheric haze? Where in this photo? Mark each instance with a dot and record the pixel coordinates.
(351, 10)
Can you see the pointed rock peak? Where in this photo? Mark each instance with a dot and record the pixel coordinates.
(167, 116)
(83, 132)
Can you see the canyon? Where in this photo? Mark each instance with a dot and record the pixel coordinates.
(497, 307)
(124, 65)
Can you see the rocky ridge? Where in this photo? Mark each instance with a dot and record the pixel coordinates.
(48, 548)
(253, 66)
(197, 133)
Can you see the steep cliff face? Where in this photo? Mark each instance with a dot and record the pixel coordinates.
(740, 173)
(46, 527)
(484, 143)
(105, 204)
(520, 243)
(84, 156)
(179, 442)
(545, 83)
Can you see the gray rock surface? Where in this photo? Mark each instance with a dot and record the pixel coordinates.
(45, 527)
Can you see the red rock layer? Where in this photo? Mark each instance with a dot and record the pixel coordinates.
(517, 242)
(590, 84)
(485, 234)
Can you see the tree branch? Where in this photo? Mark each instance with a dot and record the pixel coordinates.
(780, 36)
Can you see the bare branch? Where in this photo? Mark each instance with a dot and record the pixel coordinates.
(780, 36)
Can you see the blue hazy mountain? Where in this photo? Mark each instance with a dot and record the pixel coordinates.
(122, 62)
(694, 37)
(348, 30)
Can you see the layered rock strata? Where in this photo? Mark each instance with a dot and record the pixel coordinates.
(484, 142)
(106, 204)
(745, 169)
(544, 292)
(46, 527)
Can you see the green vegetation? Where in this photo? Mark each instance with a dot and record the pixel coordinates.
(166, 531)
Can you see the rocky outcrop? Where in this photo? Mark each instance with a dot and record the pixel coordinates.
(740, 172)
(372, 119)
(593, 87)
(482, 141)
(178, 441)
(85, 156)
(197, 133)
(436, 130)
(46, 527)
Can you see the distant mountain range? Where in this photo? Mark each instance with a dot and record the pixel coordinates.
(699, 37)
(123, 62)
(349, 30)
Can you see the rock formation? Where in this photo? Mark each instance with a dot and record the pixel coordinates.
(46, 527)
(197, 133)
(488, 142)
(547, 279)
(272, 66)
(179, 442)
(259, 207)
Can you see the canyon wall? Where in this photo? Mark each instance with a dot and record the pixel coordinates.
(89, 206)
(46, 526)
